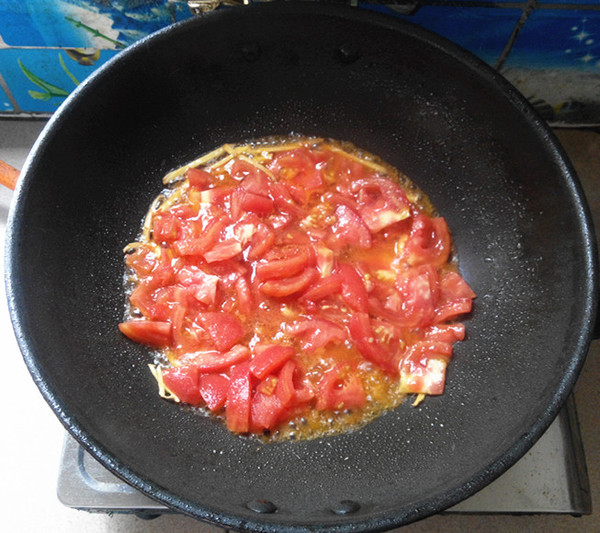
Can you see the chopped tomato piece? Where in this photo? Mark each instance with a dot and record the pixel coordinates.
(317, 332)
(198, 245)
(253, 178)
(381, 202)
(148, 332)
(280, 288)
(202, 286)
(237, 405)
(261, 242)
(451, 310)
(297, 168)
(454, 287)
(423, 369)
(324, 287)
(449, 333)
(250, 202)
(456, 297)
(216, 195)
(245, 301)
(349, 228)
(285, 389)
(287, 262)
(142, 260)
(165, 228)
(224, 329)
(213, 361)
(354, 291)
(183, 382)
(428, 243)
(418, 295)
(364, 338)
(270, 358)
(222, 251)
(198, 178)
(341, 388)
(213, 389)
(266, 411)
(285, 202)
(325, 259)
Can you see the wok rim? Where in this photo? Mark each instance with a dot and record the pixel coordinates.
(384, 520)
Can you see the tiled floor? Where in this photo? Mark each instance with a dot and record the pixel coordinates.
(32, 507)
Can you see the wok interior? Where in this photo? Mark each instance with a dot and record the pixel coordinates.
(483, 159)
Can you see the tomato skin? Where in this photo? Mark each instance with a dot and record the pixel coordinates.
(237, 405)
(270, 358)
(340, 388)
(363, 336)
(456, 297)
(381, 202)
(266, 412)
(317, 332)
(213, 389)
(349, 228)
(150, 332)
(419, 292)
(324, 287)
(261, 242)
(281, 288)
(245, 299)
(196, 246)
(165, 228)
(198, 178)
(292, 261)
(213, 361)
(224, 329)
(296, 167)
(453, 287)
(252, 178)
(222, 251)
(142, 260)
(285, 390)
(423, 369)
(428, 242)
(451, 310)
(244, 201)
(449, 333)
(354, 291)
(183, 382)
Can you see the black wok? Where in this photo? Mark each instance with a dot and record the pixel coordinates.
(466, 137)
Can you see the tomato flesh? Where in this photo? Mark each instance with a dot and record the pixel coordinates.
(183, 382)
(147, 331)
(213, 389)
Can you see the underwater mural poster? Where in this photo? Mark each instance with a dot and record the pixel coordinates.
(47, 47)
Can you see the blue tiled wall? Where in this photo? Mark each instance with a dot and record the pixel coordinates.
(549, 49)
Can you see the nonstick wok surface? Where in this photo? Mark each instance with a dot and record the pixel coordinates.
(469, 140)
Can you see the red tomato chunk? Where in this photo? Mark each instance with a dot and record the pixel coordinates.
(286, 282)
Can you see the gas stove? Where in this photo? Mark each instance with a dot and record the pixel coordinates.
(550, 478)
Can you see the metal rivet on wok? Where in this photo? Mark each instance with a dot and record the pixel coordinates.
(262, 506)
(345, 507)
